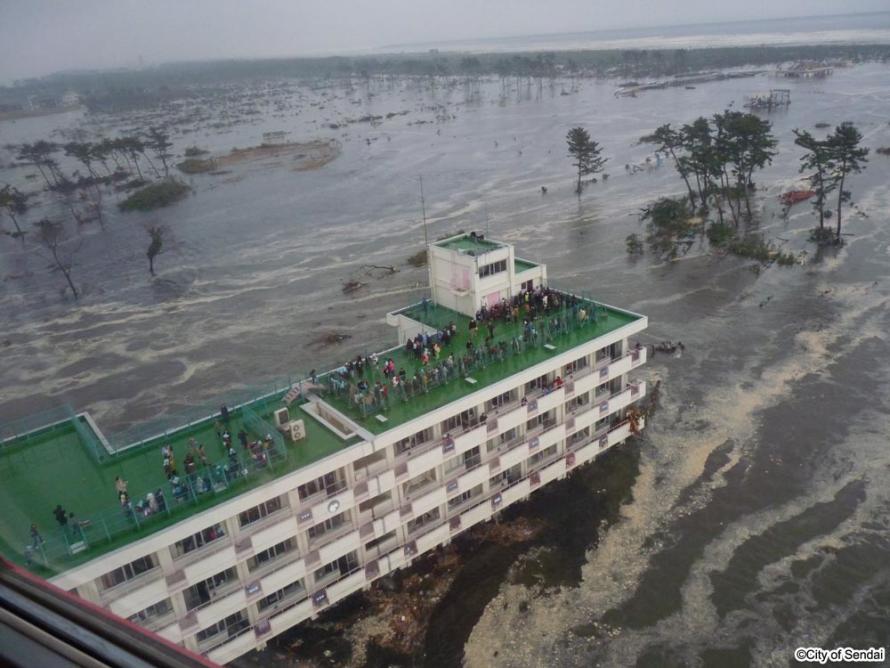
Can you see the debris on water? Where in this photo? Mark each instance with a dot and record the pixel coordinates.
(329, 339)
(352, 286)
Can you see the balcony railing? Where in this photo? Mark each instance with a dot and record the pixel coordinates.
(331, 535)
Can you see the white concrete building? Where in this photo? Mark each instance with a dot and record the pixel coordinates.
(445, 450)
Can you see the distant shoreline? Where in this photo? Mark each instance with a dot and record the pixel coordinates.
(33, 113)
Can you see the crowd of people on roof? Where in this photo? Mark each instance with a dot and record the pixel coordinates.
(370, 383)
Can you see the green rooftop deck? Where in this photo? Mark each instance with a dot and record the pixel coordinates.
(468, 243)
(54, 466)
(399, 410)
(520, 265)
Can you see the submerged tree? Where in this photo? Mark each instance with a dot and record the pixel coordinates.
(52, 235)
(40, 154)
(586, 154)
(670, 141)
(848, 158)
(160, 143)
(747, 144)
(819, 163)
(670, 227)
(15, 203)
(156, 233)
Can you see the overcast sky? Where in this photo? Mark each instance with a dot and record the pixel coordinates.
(42, 36)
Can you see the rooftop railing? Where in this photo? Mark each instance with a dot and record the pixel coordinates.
(359, 392)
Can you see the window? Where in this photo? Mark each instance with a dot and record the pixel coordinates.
(372, 544)
(204, 591)
(293, 589)
(580, 401)
(508, 435)
(342, 566)
(152, 613)
(539, 457)
(493, 268)
(424, 520)
(257, 513)
(128, 571)
(528, 286)
(502, 400)
(472, 457)
(198, 540)
(546, 420)
(603, 390)
(578, 364)
(463, 420)
(578, 436)
(453, 464)
(538, 383)
(460, 499)
(224, 629)
(413, 441)
(419, 482)
(331, 483)
(371, 504)
(328, 525)
(362, 464)
(509, 476)
(262, 558)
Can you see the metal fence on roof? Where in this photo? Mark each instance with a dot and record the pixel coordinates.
(145, 510)
(29, 426)
(166, 425)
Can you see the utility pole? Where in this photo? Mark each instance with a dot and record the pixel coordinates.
(426, 237)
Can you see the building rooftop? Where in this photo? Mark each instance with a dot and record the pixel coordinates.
(55, 465)
(520, 265)
(469, 243)
(401, 410)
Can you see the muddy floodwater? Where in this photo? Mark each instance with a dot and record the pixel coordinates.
(751, 517)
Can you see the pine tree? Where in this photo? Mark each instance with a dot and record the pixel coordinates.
(586, 154)
(848, 158)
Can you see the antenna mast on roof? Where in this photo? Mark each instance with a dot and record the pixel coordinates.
(426, 237)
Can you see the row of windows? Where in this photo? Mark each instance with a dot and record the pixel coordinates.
(257, 513)
(493, 268)
(198, 540)
(128, 571)
(268, 555)
(152, 612)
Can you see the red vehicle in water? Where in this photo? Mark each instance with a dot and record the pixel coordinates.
(795, 196)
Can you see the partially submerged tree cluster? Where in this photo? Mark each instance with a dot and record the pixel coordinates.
(717, 159)
(829, 162)
(119, 164)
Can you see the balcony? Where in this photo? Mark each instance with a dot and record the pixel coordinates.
(366, 472)
(281, 574)
(227, 602)
(141, 580)
(308, 502)
(329, 536)
(232, 646)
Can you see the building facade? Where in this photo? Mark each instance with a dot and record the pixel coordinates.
(227, 579)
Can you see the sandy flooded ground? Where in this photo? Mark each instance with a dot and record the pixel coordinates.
(752, 518)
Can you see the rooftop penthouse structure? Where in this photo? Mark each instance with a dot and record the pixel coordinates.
(237, 525)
